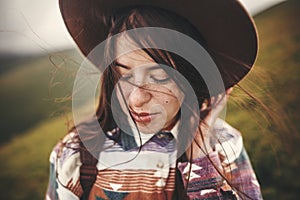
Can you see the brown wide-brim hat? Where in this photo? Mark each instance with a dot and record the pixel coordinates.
(225, 25)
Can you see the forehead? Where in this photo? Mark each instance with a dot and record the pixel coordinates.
(135, 59)
(128, 53)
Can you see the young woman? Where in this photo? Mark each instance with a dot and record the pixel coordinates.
(157, 132)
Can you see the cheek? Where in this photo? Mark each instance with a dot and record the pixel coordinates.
(171, 104)
(122, 98)
(169, 101)
(175, 98)
(124, 90)
(174, 102)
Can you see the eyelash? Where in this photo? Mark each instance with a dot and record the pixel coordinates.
(158, 81)
(161, 81)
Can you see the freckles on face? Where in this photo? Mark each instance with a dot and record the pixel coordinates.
(147, 93)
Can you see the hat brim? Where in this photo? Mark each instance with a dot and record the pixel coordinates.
(225, 25)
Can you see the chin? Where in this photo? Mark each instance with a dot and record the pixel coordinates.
(148, 129)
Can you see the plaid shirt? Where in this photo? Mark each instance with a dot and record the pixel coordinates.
(129, 171)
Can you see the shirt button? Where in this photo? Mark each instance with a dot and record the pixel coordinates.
(160, 165)
(160, 135)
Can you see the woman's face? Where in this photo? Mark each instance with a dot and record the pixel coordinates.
(147, 93)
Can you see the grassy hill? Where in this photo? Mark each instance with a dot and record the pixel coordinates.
(24, 161)
(34, 96)
(274, 150)
(35, 90)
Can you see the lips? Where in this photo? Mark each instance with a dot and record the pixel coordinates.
(142, 116)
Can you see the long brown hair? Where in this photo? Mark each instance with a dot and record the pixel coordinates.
(137, 17)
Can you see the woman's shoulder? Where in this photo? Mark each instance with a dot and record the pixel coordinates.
(66, 147)
(65, 158)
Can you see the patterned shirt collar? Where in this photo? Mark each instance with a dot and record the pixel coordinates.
(129, 141)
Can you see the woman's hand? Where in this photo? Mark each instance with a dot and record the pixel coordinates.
(201, 144)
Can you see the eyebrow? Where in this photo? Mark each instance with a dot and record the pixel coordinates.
(156, 66)
(117, 64)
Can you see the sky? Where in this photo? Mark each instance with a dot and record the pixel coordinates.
(36, 26)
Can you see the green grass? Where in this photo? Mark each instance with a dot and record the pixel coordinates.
(34, 90)
(25, 160)
(31, 94)
(274, 150)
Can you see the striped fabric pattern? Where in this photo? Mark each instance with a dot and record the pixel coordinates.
(135, 181)
(126, 170)
(145, 171)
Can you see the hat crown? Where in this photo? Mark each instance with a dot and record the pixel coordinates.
(227, 28)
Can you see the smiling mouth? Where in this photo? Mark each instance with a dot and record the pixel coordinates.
(143, 116)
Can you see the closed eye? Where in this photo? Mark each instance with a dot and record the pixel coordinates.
(126, 78)
(160, 80)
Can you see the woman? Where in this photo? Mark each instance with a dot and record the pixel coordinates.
(161, 95)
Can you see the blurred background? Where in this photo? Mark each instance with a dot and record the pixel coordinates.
(38, 64)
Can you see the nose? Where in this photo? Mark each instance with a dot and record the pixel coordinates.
(139, 96)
